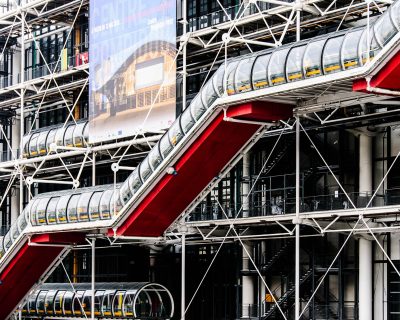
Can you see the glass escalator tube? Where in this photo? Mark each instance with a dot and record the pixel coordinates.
(385, 28)
(25, 145)
(117, 304)
(40, 301)
(83, 206)
(135, 182)
(125, 191)
(72, 212)
(33, 212)
(77, 309)
(165, 145)
(230, 79)
(68, 303)
(105, 210)
(51, 212)
(78, 135)
(115, 202)
(98, 302)
(312, 58)
(259, 72)
(374, 47)
(349, 54)
(41, 143)
(7, 241)
(187, 123)
(59, 302)
(94, 206)
(276, 67)
(175, 134)
(243, 73)
(41, 210)
(294, 66)
(208, 93)
(155, 157)
(145, 170)
(69, 136)
(107, 304)
(23, 219)
(50, 138)
(49, 302)
(395, 14)
(14, 231)
(86, 134)
(31, 304)
(218, 80)
(61, 210)
(33, 150)
(331, 55)
(59, 136)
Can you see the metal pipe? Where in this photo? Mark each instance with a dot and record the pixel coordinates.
(183, 276)
(184, 50)
(93, 276)
(297, 259)
(94, 169)
(22, 127)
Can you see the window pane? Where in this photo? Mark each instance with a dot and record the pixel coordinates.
(187, 121)
(384, 28)
(208, 93)
(72, 213)
(218, 80)
(230, 81)
(155, 156)
(41, 210)
(33, 214)
(294, 70)
(260, 79)
(312, 59)
(125, 192)
(175, 133)
(51, 210)
(331, 55)
(350, 49)
(83, 206)
(197, 107)
(144, 169)
(165, 145)
(42, 148)
(134, 182)
(276, 68)
(50, 138)
(69, 136)
(33, 151)
(78, 134)
(94, 206)
(105, 212)
(61, 213)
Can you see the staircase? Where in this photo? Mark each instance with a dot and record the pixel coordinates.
(305, 276)
(284, 147)
(288, 244)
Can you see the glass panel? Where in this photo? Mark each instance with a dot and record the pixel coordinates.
(86, 304)
(83, 206)
(243, 75)
(98, 302)
(25, 144)
(175, 134)
(155, 156)
(218, 80)
(395, 13)
(94, 206)
(33, 151)
(384, 28)
(33, 213)
(86, 134)
(187, 121)
(68, 299)
(50, 138)
(276, 68)
(362, 48)
(59, 137)
(40, 302)
(23, 218)
(230, 81)
(117, 303)
(134, 182)
(165, 145)
(31, 306)
(51, 210)
(78, 134)
(7, 241)
(350, 49)
(197, 108)
(72, 213)
(116, 205)
(259, 76)
(41, 210)
(77, 303)
(107, 303)
(125, 191)
(331, 56)
(69, 136)
(62, 209)
(294, 67)
(41, 143)
(14, 231)
(144, 169)
(312, 59)
(208, 93)
(49, 302)
(128, 304)
(105, 212)
(58, 303)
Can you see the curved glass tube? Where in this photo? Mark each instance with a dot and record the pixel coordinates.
(58, 303)
(117, 305)
(349, 55)
(33, 150)
(77, 309)
(165, 145)
(105, 210)
(83, 206)
(52, 210)
(50, 138)
(115, 203)
(155, 157)
(68, 303)
(294, 67)
(187, 121)
(208, 93)
(384, 28)
(395, 14)
(218, 80)
(312, 59)
(41, 210)
(134, 182)
(69, 136)
(243, 81)
(259, 74)
(49, 302)
(175, 135)
(40, 303)
(363, 48)
(78, 138)
(72, 212)
(230, 79)
(125, 192)
(33, 213)
(145, 169)
(41, 143)
(276, 67)
(59, 136)
(25, 145)
(197, 108)
(331, 56)
(61, 210)
(94, 206)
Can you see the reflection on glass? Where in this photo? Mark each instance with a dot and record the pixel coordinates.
(155, 156)
(78, 134)
(230, 80)
(175, 134)
(61, 210)
(25, 144)
(243, 75)
(125, 192)
(165, 145)
(260, 79)
(276, 67)
(41, 210)
(350, 49)
(384, 28)
(105, 212)
(312, 58)
(33, 213)
(83, 206)
(134, 182)
(51, 210)
(33, 151)
(197, 107)
(58, 303)
(294, 68)
(41, 143)
(59, 137)
(69, 136)
(72, 212)
(208, 93)
(218, 80)
(363, 48)
(50, 138)
(144, 169)
(94, 206)
(331, 55)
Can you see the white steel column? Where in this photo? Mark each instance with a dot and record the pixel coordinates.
(93, 277)
(246, 185)
(183, 277)
(297, 222)
(184, 52)
(22, 131)
(365, 280)
(247, 282)
(365, 246)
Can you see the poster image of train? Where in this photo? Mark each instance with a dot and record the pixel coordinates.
(133, 70)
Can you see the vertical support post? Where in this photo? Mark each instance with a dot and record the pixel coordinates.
(22, 102)
(93, 277)
(94, 169)
(183, 276)
(184, 49)
(298, 20)
(297, 258)
(246, 185)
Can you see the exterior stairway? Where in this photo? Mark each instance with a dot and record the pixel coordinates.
(282, 250)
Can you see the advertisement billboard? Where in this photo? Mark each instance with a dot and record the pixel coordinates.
(132, 67)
